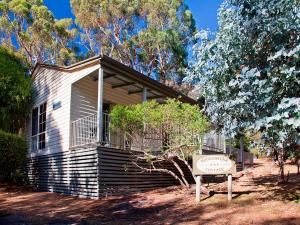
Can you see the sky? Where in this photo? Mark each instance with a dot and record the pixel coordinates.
(204, 11)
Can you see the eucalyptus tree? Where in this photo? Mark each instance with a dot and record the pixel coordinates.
(250, 72)
(30, 28)
(150, 36)
(170, 28)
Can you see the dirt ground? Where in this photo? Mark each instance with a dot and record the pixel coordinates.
(258, 199)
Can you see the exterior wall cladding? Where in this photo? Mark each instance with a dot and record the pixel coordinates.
(94, 172)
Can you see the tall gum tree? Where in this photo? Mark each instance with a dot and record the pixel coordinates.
(250, 72)
(150, 36)
(30, 28)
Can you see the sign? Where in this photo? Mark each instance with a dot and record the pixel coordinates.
(56, 105)
(213, 165)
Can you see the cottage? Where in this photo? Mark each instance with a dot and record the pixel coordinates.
(71, 149)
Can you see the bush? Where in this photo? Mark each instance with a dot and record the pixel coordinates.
(15, 91)
(13, 150)
(176, 126)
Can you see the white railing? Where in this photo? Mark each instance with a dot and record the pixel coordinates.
(214, 141)
(84, 132)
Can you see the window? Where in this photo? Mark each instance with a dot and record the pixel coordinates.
(38, 138)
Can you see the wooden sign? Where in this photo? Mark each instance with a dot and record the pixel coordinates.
(213, 165)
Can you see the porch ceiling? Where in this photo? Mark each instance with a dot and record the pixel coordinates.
(132, 87)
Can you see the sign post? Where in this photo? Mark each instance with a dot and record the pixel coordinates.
(198, 188)
(229, 187)
(213, 165)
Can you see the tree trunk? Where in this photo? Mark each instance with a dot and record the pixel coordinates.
(188, 166)
(181, 173)
(281, 171)
(281, 165)
(162, 171)
(242, 151)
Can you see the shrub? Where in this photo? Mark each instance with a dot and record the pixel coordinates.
(177, 126)
(13, 150)
(15, 91)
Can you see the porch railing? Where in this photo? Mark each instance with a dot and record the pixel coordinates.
(84, 132)
(214, 141)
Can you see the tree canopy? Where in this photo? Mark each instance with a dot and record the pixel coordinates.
(150, 36)
(29, 27)
(15, 91)
(250, 70)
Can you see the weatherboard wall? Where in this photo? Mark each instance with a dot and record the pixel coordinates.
(95, 172)
(52, 86)
(85, 93)
(74, 172)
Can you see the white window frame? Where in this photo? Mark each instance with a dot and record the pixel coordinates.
(35, 142)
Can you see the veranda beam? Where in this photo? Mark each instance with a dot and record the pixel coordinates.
(156, 96)
(135, 92)
(105, 77)
(110, 75)
(122, 85)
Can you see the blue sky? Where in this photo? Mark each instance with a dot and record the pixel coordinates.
(204, 11)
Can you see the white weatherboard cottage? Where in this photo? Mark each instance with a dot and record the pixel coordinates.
(71, 149)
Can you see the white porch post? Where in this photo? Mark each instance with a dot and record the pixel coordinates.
(198, 189)
(100, 105)
(145, 94)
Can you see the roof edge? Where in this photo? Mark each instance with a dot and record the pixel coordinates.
(64, 68)
(136, 74)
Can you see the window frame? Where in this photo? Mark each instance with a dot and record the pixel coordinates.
(38, 138)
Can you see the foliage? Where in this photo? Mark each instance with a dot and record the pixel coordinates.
(250, 70)
(180, 120)
(13, 150)
(151, 36)
(30, 28)
(15, 91)
(246, 142)
(179, 126)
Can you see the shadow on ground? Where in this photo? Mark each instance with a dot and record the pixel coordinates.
(264, 202)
